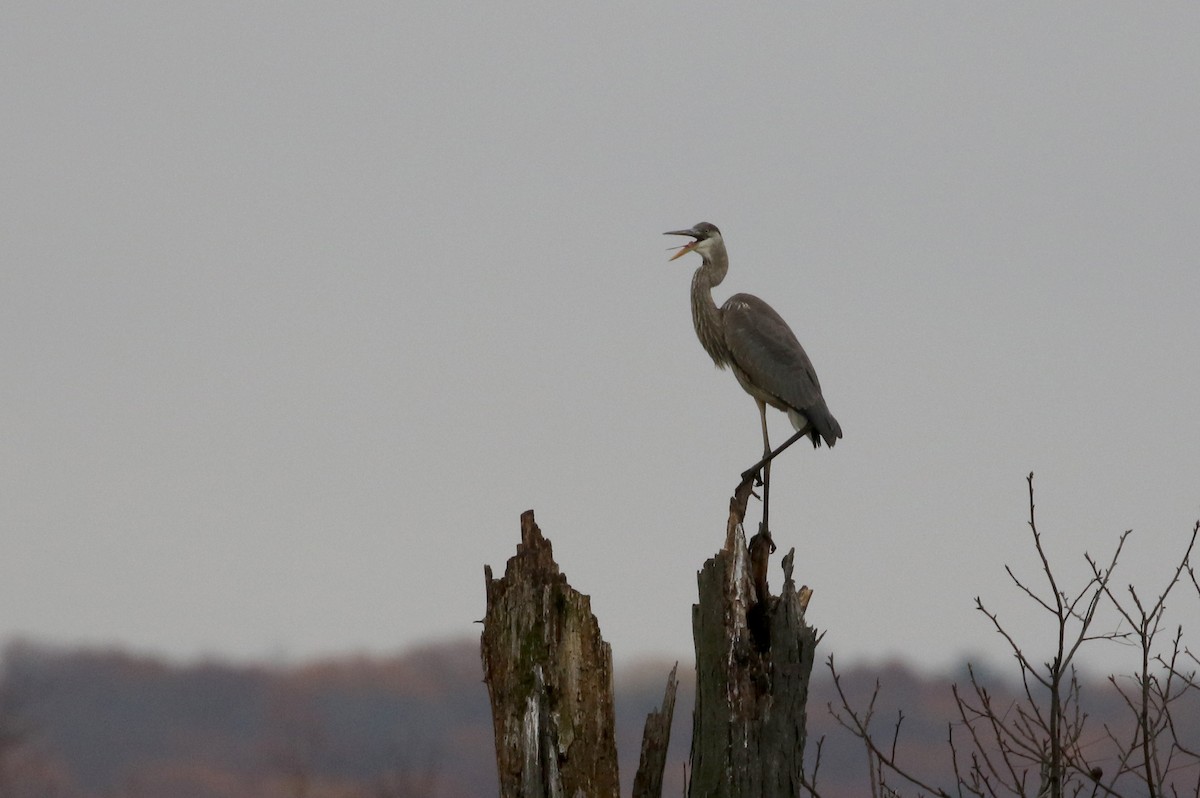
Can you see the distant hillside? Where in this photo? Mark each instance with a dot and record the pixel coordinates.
(106, 723)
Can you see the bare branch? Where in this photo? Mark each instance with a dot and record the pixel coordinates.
(860, 728)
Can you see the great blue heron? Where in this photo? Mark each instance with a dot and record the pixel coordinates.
(747, 335)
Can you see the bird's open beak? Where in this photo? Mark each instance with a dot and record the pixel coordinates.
(686, 248)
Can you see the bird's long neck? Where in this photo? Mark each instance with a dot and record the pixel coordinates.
(706, 316)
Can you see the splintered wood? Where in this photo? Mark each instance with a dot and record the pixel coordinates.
(549, 676)
(754, 659)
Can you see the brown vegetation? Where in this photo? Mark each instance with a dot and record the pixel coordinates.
(98, 723)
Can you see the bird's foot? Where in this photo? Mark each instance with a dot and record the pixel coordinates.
(756, 473)
(766, 535)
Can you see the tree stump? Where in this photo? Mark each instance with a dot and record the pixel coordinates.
(754, 659)
(549, 677)
(656, 737)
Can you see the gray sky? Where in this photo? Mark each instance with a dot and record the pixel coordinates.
(301, 304)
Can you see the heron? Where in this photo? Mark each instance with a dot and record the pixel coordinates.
(748, 336)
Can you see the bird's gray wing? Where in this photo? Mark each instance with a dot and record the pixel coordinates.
(766, 350)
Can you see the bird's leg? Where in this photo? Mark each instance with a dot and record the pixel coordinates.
(765, 528)
(766, 461)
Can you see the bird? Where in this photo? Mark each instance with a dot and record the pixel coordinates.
(746, 335)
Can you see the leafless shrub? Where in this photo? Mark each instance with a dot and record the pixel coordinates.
(1040, 744)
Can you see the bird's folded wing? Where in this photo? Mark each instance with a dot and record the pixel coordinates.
(766, 350)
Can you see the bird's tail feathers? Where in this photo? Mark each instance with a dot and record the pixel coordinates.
(820, 424)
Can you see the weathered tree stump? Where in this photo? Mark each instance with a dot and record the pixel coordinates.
(656, 737)
(754, 658)
(549, 676)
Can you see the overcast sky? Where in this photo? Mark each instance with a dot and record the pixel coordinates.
(302, 304)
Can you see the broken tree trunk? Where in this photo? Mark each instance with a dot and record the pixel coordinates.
(754, 658)
(549, 676)
(656, 737)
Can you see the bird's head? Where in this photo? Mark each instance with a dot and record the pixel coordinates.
(706, 236)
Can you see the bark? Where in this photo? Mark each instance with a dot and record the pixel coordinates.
(754, 658)
(549, 677)
(656, 738)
